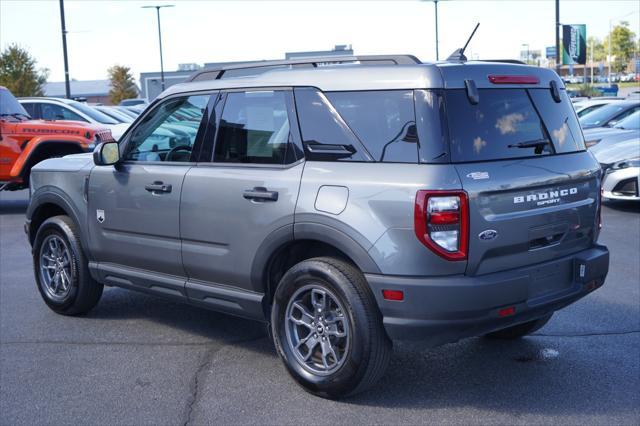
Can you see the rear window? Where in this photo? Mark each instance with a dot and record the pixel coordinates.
(510, 123)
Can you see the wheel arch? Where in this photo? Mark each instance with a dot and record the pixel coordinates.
(292, 244)
(37, 147)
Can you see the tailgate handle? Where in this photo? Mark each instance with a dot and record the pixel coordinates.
(547, 235)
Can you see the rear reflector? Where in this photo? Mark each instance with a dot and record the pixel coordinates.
(514, 79)
(397, 295)
(507, 312)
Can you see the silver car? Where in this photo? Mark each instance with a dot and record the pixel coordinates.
(346, 204)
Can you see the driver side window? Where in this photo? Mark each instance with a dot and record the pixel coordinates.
(169, 132)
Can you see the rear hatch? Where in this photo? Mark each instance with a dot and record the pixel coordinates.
(533, 188)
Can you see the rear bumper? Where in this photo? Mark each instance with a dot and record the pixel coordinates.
(440, 310)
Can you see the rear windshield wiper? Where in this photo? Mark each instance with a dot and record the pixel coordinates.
(530, 144)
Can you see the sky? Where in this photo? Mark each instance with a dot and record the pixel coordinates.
(105, 33)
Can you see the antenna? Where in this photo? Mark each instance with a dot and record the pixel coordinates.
(458, 54)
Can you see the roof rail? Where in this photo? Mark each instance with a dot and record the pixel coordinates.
(218, 73)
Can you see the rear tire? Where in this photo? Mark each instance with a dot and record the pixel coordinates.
(327, 328)
(61, 268)
(520, 330)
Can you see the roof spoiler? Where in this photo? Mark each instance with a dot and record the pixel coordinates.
(217, 73)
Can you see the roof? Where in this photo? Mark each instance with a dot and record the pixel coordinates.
(377, 77)
(78, 88)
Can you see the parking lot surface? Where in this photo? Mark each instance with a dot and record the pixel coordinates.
(136, 359)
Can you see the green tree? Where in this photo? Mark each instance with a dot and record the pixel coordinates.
(599, 52)
(19, 74)
(622, 46)
(122, 84)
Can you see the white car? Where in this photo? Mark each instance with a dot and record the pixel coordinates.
(585, 106)
(621, 165)
(67, 109)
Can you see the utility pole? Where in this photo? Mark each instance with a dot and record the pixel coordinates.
(591, 61)
(558, 55)
(159, 39)
(609, 55)
(67, 86)
(435, 2)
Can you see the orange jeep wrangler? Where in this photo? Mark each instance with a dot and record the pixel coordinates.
(25, 142)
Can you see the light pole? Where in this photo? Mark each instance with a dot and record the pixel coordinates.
(158, 7)
(67, 87)
(523, 45)
(435, 4)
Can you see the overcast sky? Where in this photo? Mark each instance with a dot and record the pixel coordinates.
(103, 33)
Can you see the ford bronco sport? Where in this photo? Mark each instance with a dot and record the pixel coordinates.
(25, 142)
(346, 206)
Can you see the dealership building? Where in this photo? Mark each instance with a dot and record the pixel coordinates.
(150, 83)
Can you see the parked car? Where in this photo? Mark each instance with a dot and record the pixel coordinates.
(609, 115)
(628, 77)
(587, 105)
(126, 111)
(627, 128)
(132, 102)
(114, 113)
(24, 142)
(345, 205)
(621, 165)
(67, 109)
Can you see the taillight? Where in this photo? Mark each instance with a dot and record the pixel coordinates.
(514, 79)
(441, 222)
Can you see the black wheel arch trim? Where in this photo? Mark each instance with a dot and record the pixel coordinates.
(53, 195)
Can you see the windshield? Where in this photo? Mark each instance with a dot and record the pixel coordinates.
(9, 105)
(632, 122)
(93, 113)
(601, 115)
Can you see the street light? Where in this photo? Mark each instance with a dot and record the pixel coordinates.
(435, 4)
(158, 7)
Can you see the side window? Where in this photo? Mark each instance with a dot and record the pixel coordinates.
(622, 116)
(384, 121)
(254, 128)
(57, 112)
(30, 108)
(168, 133)
(325, 135)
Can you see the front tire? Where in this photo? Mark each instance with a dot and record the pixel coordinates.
(327, 328)
(61, 269)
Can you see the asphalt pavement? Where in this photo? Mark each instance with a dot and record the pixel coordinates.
(137, 359)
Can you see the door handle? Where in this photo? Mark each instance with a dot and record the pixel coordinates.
(158, 186)
(260, 193)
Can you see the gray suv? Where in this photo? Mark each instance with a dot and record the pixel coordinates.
(346, 205)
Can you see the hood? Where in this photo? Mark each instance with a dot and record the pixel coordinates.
(625, 150)
(54, 127)
(609, 139)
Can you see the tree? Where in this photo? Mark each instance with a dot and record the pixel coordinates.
(622, 46)
(19, 74)
(122, 84)
(599, 51)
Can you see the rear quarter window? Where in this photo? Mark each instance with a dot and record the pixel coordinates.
(384, 121)
(560, 120)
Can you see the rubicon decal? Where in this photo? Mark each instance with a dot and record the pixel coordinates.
(545, 198)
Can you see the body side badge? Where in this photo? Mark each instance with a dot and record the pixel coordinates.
(488, 235)
(100, 216)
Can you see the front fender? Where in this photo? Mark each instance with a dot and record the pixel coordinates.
(43, 142)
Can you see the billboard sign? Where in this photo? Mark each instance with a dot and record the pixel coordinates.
(550, 52)
(574, 44)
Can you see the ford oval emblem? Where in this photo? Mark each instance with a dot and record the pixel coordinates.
(488, 235)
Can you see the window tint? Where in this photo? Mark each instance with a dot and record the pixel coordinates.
(490, 129)
(631, 122)
(169, 132)
(560, 120)
(325, 135)
(57, 112)
(254, 128)
(384, 121)
(93, 113)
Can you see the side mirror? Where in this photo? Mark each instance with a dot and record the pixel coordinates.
(106, 154)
